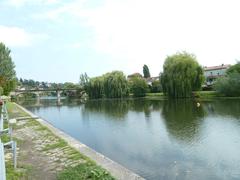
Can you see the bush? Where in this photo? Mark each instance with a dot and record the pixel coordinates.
(156, 87)
(139, 87)
(229, 85)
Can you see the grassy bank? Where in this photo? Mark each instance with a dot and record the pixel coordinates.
(196, 94)
(64, 161)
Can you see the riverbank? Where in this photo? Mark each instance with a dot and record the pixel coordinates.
(45, 152)
(202, 95)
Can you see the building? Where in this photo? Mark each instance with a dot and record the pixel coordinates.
(150, 80)
(213, 72)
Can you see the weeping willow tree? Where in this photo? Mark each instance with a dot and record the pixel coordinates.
(115, 85)
(181, 75)
(95, 88)
(110, 85)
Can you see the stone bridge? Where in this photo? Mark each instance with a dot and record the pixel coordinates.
(38, 92)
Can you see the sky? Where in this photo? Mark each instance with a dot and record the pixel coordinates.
(57, 40)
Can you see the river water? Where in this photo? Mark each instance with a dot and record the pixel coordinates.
(158, 139)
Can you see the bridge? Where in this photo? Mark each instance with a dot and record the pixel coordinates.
(38, 92)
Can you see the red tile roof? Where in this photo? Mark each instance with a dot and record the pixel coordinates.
(223, 66)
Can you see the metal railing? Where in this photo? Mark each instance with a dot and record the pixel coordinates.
(2, 162)
(3, 146)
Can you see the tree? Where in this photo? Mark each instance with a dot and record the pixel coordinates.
(95, 88)
(115, 85)
(109, 85)
(146, 72)
(156, 86)
(181, 75)
(229, 85)
(69, 85)
(234, 68)
(7, 73)
(138, 87)
(83, 80)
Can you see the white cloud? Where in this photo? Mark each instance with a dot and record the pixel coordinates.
(57, 13)
(146, 31)
(16, 37)
(20, 3)
(76, 45)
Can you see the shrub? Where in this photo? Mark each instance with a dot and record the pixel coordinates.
(139, 87)
(229, 85)
(156, 87)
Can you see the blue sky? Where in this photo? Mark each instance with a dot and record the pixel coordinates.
(57, 40)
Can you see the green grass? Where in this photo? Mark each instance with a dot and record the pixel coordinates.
(14, 111)
(5, 138)
(85, 171)
(12, 174)
(61, 143)
(154, 94)
(197, 94)
(21, 173)
(207, 94)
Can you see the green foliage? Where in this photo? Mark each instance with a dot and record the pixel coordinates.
(7, 72)
(12, 174)
(9, 86)
(181, 75)
(146, 72)
(156, 87)
(139, 87)
(229, 85)
(84, 80)
(70, 85)
(115, 85)
(85, 171)
(110, 85)
(1, 91)
(134, 75)
(95, 88)
(234, 69)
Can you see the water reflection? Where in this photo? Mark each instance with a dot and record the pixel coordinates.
(182, 119)
(113, 108)
(226, 107)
